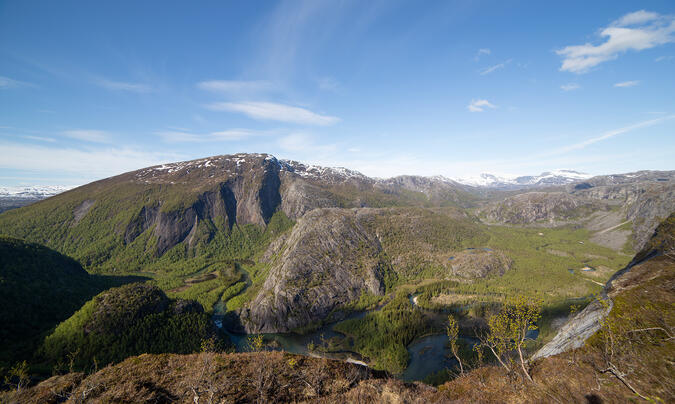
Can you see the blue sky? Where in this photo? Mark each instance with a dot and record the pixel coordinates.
(455, 88)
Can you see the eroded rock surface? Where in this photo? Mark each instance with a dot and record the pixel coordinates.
(329, 259)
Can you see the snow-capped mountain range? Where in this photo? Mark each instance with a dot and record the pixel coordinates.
(34, 192)
(555, 177)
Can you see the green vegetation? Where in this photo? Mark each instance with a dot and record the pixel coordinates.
(537, 271)
(508, 332)
(39, 288)
(382, 336)
(127, 321)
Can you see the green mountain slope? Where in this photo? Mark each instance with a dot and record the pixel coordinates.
(125, 321)
(39, 288)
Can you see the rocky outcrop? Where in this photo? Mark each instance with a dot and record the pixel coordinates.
(81, 210)
(649, 208)
(480, 264)
(576, 331)
(328, 260)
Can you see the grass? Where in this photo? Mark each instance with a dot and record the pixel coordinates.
(535, 271)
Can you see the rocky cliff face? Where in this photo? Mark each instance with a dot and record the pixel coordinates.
(328, 260)
(651, 262)
(234, 190)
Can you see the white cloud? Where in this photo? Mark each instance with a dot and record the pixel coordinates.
(481, 52)
(87, 164)
(6, 82)
(178, 135)
(627, 83)
(40, 138)
(122, 86)
(268, 111)
(303, 142)
(633, 32)
(234, 86)
(663, 58)
(96, 136)
(480, 105)
(570, 86)
(610, 134)
(236, 134)
(491, 69)
(636, 18)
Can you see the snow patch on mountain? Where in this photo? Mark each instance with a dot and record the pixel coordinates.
(555, 177)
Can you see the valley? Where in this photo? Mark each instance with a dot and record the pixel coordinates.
(327, 262)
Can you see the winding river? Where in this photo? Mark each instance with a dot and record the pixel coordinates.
(427, 355)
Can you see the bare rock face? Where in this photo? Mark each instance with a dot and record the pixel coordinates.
(300, 196)
(649, 208)
(328, 260)
(533, 207)
(646, 198)
(81, 210)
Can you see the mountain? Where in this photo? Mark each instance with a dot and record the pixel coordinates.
(16, 197)
(262, 221)
(125, 220)
(603, 204)
(36, 191)
(556, 177)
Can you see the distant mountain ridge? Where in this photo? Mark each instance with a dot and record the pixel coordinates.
(16, 197)
(32, 191)
(548, 178)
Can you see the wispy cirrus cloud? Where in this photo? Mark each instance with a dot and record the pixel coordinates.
(122, 85)
(269, 111)
(85, 164)
(304, 142)
(635, 31)
(40, 138)
(234, 86)
(183, 135)
(481, 52)
(89, 135)
(6, 83)
(479, 105)
(570, 87)
(494, 68)
(631, 83)
(609, 134)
